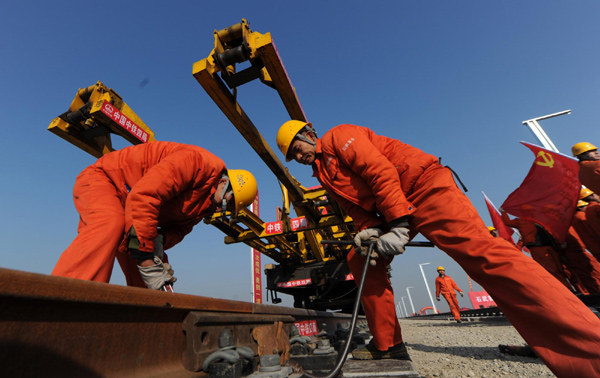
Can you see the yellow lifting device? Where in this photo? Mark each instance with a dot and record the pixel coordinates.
(322, 217)
(95, 113)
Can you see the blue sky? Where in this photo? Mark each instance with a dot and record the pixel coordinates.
(455, 79)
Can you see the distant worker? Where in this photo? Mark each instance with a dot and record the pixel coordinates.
(493, 231)
(393, 191)
(445, 284)
(139, 201)
(589, 165)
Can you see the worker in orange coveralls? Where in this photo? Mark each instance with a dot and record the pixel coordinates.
(144, 199)
(493, 231)
(589, 165)
(540, 246)
(445, 284)
(580, 263)
(590, 238)
(394, 191)
(592, 216)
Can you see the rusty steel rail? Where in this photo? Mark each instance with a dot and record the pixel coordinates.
(59, 327)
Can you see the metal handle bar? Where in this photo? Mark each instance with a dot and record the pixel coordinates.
(350, 242)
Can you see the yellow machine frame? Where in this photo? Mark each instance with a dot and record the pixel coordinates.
(95, 113)
(237, 44)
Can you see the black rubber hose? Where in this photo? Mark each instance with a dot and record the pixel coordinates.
(338, 367)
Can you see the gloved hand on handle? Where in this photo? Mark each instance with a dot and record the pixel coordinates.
(367, 235)
(393, 242)
(158, 275)
(161, 273)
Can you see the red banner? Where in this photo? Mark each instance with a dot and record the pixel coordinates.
(124, 121)
(549, 193)
(504, 231)
(481, 299)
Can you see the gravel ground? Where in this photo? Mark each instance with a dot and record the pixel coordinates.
(444, 348)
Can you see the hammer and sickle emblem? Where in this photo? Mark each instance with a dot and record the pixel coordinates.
(547, 160)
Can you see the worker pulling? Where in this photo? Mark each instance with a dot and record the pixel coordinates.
(139, 201)
(393, 191)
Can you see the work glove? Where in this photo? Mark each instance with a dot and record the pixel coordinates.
(437, 298)
(461, 294)
(368, 234)
(158, 275)
(393, 242)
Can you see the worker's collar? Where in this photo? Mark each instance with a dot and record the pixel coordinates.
(319, 148)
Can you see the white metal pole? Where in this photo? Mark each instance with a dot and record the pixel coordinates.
(399, 310)
(410, 300)
(404, 305)
(540, 133)
(427, 286)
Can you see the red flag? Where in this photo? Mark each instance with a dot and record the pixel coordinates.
(549, 193)
(504, 231)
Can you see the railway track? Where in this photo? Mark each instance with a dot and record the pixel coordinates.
(61, 327)
(590, 300)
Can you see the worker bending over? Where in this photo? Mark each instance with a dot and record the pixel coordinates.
(445, 284)
(144, 199)
(589, 165)
(394, 191)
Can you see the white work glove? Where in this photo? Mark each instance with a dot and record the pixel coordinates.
(461, 294)
(437, 298)
(158, 275)
(393, 242)
(368, 234)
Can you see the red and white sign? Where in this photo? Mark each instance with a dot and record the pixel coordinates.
(307, 281)
(299, 223)
(274, 227)
(120, 118)
(295, 283)
(481, 299)
(307, 327)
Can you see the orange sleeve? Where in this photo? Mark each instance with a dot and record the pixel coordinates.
(438, 286)
(163, 181)
(173, 235)
(455, 285)
(355, 150)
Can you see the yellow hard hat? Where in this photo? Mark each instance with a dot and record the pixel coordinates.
(440, 268)
(581, 203)
(490, 228)
(286, 134)
(582, 147)
(584, 192)
(244, 187)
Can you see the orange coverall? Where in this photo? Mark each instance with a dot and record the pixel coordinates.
(590, 238)
(545, 255)
(589, 174)
(377, 179)
(580, 263)
(148, 186)
(592, 216)
(446, 286)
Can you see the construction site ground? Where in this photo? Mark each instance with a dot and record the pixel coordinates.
(444, 348)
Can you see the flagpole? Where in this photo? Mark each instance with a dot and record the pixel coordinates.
(537, 130)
